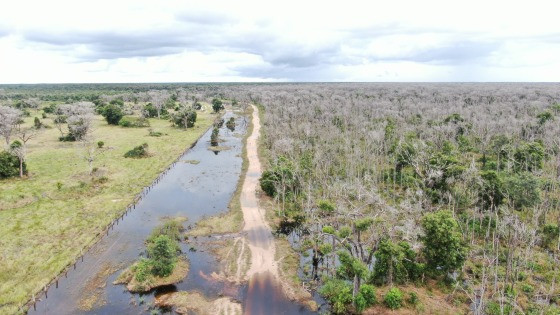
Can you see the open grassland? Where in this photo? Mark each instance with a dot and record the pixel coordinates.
(56, 213)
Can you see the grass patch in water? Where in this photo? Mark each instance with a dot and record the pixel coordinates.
(148, 281)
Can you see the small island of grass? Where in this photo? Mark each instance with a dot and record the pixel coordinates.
(164, 264)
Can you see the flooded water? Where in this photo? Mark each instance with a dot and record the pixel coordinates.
(187, 190)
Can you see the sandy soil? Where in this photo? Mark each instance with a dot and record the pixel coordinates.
(188, 302)
(259, 236)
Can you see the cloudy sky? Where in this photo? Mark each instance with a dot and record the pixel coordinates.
(202, 41)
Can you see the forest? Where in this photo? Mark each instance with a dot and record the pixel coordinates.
(408, 196)
(454, 186)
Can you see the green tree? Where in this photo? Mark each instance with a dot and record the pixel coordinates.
(217, 105)
(184, 118)
(163, 255)
(444, 249)
(491, 192)
(522, 190)
(529, 156)
(112, 113)
(9, 165)
(395, 262)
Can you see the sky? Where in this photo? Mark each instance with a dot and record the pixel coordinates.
(264, 41)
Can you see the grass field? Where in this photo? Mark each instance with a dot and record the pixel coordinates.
(49, 218)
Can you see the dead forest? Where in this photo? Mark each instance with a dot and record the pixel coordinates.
(449, 185)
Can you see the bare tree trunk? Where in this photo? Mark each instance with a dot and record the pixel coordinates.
(21, 167)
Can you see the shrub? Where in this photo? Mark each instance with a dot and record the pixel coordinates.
(268, 180)
(100, 144)
(112, 113)
(138, 152)
(550, 235)
(365, 297)
(134, 122)
(37, 123)
(142, 270)
(412, 298)
(153, 133)
(339, 295)
(163, 255)
(9, 165)
(214, 136)
(150, 110)
(230, 124)
(67, 138)
(326, 207)
(393, 299)
(50, 109)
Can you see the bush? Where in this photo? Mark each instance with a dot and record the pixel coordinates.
(365, 297)
(214, 137)
(163, 255)
(153, 133)
(138, 152)
(50, 109)
(100, 144)
(550, 233)
(67, 138)
(37, 123)
(339, 295)
(394, 298)
(134, 122)
(150, 110)
(267, 181)
(9, 165)
(142, 270)
(230, 124)
(413, 298)
(112, 113)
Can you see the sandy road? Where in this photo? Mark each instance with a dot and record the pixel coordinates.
(259, 235)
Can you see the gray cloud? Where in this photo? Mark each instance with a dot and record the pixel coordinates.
(453, 53)
(208, 32)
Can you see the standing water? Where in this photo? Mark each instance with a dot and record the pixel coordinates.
(187, 190)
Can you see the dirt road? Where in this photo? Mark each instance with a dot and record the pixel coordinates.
(259, 235)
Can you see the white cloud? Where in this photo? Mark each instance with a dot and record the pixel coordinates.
(175, 40)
